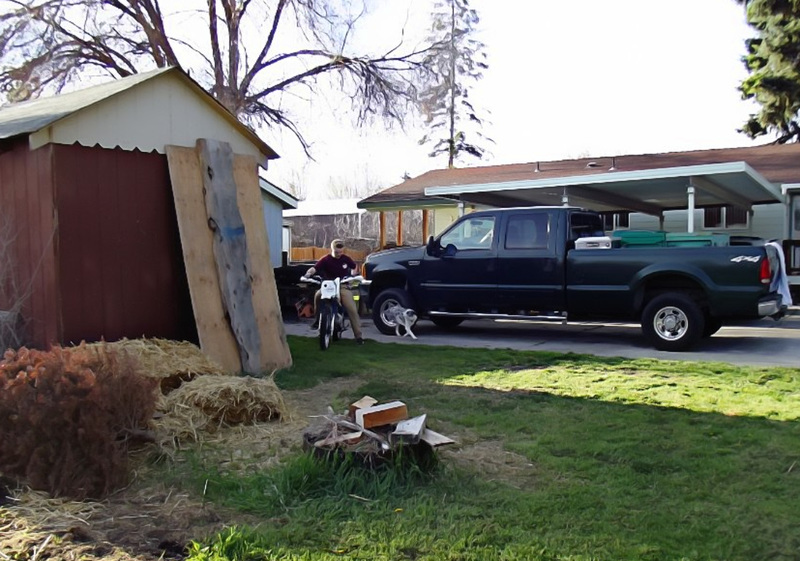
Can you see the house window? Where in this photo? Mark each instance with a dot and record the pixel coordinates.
(728, 216)
(616, 220)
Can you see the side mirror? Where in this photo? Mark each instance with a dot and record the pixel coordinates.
(432, 248)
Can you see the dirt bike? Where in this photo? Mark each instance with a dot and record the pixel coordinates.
(333, 319)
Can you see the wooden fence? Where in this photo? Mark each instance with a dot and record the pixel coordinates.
(309, 254)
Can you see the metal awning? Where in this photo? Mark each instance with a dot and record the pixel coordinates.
(650, 191)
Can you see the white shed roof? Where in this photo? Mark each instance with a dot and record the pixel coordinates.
(146, 111)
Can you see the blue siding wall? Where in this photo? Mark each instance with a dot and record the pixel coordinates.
(273, 220)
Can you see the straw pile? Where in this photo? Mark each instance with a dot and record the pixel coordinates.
(197, 396)
(173, 362)
(209, 403)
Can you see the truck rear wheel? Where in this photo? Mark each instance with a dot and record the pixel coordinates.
(672, 322)
(385, 300)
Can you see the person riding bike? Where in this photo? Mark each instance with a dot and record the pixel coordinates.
(333, 266)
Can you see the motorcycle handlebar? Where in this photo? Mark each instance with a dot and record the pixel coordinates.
(316, 279)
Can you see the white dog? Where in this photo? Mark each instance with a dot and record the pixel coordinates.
(402, 317)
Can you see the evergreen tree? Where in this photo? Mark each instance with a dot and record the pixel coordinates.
(455, 60)
(773, 61)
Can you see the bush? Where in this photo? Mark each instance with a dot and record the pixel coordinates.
(67, 415)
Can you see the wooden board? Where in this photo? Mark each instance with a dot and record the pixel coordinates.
(216, 336)
(234, 269)
(366, 401)
(275, 352)
(380, 415)
(410, 430)
(213, 330)
(434, 439)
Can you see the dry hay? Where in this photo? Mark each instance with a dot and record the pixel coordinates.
(172, 362)
(208, 403)
(490, 458)
(152, 524)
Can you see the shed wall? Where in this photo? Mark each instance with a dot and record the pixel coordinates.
(149, 117)
(273, 220)
(29, 245)
(120, 261)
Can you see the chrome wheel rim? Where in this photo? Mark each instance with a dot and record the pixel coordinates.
(670, 323)
(385, 318)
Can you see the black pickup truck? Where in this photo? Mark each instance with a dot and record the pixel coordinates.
(522, 263)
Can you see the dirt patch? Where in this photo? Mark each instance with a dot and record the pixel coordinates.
(147, 522)
(489, 458)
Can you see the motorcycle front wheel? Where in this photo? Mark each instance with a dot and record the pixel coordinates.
(326, 320)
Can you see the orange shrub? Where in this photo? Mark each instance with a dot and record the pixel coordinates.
(66, 415)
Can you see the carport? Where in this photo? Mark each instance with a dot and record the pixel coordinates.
(604, 187)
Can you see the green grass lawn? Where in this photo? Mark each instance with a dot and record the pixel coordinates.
(615, 459)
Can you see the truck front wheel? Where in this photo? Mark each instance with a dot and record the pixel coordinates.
(386, 300)
(672, 322)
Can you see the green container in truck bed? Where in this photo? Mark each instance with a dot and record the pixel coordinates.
(685, 239)
(640, 238)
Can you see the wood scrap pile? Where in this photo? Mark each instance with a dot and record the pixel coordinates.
(372, 430)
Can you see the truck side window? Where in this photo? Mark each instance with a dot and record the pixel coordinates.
(584, 225)
(475, 233)
(527, 231)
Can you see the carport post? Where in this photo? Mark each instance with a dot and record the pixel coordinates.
(690, 216)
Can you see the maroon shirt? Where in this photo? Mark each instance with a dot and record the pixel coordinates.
(329, 267)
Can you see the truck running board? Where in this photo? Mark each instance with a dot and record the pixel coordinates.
(562, 317)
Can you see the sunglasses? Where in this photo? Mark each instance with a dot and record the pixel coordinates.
(339, 246)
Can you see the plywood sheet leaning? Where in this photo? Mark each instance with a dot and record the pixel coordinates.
(274, 349)
(213, 329)
(230, 247)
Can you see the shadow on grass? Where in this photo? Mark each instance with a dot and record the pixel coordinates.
(613, 474)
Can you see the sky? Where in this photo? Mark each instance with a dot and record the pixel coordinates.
(583, 78)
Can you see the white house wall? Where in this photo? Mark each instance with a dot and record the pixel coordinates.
(442, 218)
(157, 113)
(768, 222)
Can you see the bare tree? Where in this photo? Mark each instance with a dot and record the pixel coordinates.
(296, 185)
(251, 55)
(359, 184)
(12, 296)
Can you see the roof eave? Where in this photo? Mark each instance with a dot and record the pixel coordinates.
(598, 179)
(408, 204)
(286, 199)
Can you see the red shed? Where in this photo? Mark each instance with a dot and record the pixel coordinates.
(88, 226)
